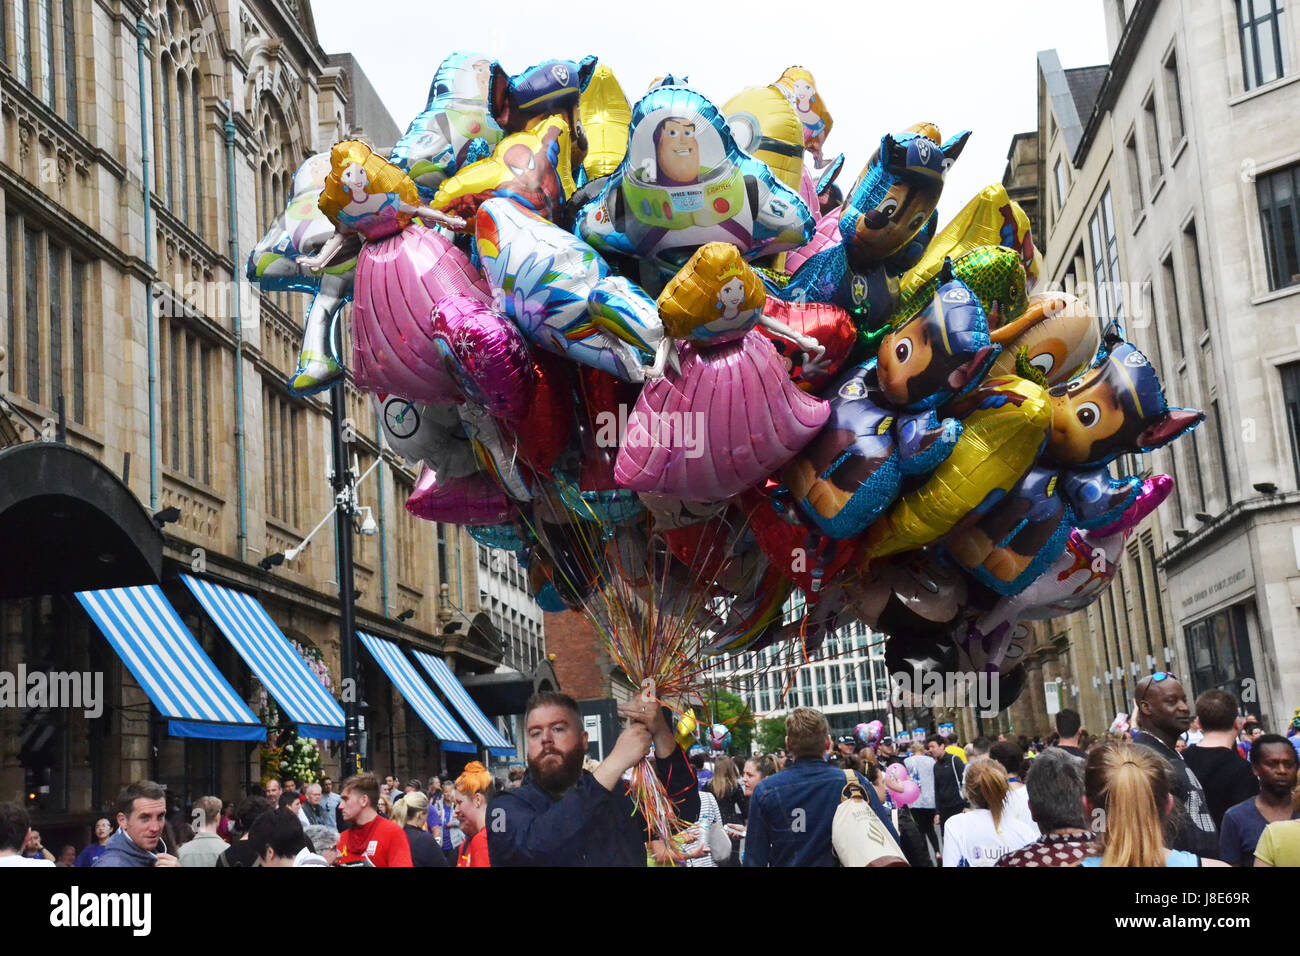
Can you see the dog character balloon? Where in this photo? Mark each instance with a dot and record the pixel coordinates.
(888, 213)
(1117, 407)
(883, 424)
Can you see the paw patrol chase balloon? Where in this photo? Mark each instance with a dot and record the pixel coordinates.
(685, 182)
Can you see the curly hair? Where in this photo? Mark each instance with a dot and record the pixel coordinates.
(384, 178)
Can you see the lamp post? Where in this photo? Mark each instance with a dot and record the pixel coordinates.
(344, 493)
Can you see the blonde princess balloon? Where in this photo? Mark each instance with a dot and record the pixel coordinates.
(403, 268)
(732, 416)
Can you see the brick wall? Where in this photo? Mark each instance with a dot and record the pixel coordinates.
(581, 664)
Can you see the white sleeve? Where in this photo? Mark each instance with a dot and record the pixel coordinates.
(952, 851)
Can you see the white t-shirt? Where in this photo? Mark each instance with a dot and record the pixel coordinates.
(17, 860)
(1017, 806)
(920, 767)
(970, 839)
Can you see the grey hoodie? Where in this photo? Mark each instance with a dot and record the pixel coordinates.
(121, 851)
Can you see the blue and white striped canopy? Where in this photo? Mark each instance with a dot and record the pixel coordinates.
(417, 693)
(166, 660)
(270, 656)
(474, 718)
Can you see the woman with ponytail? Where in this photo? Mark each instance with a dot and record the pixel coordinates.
(473, 788)
(410, 812)
(978, 836)
(1128, 795)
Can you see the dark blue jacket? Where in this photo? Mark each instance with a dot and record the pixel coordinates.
(790, 815)
(588, 826)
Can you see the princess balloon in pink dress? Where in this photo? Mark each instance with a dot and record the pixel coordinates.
(403, 268)
(732, 416)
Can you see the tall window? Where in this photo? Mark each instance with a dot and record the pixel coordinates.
(1062, 183)
(1155, 163)
(1216, 425)
(69, 60)
(1134, 171)
(1149, 546)
(1279, 213)
(1263, 52)
(282, 437)
(166, 172)
(46, 311)
(45, 26)
(22, 42)
(1195, 283)
(185, 363)
(1174, 100)
(1107, 296)
(1173, 317)
(1291, 404)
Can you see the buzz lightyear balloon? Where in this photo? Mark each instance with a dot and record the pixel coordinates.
(685, 182)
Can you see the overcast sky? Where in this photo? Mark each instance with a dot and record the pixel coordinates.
(879, 66)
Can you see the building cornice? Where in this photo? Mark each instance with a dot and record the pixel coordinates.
(1213, 533)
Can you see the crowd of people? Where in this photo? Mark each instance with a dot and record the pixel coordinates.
(1209, 789)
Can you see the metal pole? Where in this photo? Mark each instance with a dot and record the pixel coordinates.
(341, 482)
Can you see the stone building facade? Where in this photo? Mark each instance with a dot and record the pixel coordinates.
(1168, 185)
(79, 288)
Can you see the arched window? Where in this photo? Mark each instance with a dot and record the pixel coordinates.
(70, 61)
(165, 130)
(183, 152)
(196, 144)
(178, 114)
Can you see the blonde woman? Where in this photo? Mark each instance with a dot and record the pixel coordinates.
(410, 813)
(1128, 794)
(978, 836)
(473, 790)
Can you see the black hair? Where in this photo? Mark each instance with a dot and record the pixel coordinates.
(1010, 755)
(250, 810)
(1068, 723)
(278, 830)
(1257, 748)
(288, 800)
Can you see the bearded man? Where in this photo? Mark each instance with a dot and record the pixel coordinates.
(564, 816)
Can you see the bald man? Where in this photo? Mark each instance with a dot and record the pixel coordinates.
(1163, 715)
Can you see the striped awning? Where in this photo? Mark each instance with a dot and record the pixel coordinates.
(156, 647)
(417, 693)
(474, 718)
(270, 656)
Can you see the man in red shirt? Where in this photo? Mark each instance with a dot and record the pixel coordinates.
(371, 840)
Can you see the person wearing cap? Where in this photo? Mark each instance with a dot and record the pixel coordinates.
(886, 754)
(845, 752)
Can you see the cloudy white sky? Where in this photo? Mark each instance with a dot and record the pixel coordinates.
(879, 66)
